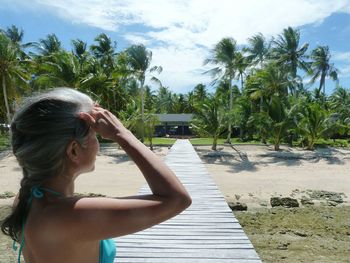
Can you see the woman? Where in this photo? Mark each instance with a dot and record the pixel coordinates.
(54, 141)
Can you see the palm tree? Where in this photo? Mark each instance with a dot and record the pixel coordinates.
(151, 121)
(104, 51)
(16, 36)
(321, 67)
(165, 100)
(258, 50)
(62, 68)
(210, 119)
(49, 45)
(224, 57)
(189, 102)
(279, 119)
(340, 105)
(139, 60)
(200, 92)
(288, 54)
(340, 99)
(11, 72)
(313, 123)
(242, 64)
(269, 81)
(80, 50)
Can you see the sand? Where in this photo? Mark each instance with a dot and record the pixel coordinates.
(248, 173)
(115, 174)
(254, 174)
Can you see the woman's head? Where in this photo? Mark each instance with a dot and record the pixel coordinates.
(41, 130)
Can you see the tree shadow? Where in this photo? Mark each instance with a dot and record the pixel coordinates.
(5, 153)
(116, 158)
(289, 158)
(236, 161)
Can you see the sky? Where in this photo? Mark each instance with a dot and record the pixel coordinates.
(181, 34)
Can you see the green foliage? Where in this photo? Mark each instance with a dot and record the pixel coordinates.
(312, 124)
(210, 119)
(160, 141)
(4, 140)
(259, 91)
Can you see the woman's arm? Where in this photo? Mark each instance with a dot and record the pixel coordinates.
(100, 218)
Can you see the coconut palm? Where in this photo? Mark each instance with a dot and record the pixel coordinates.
(288, 53)
(189, 102)
(258, 50)
(257, 53)
(12, 73)
(279, 119)
(165, 100)
(200, 92)
(139, 60)
(61, 68)
(242, 64)
(151, 121)
(104, 51)
(224, 57)
(16, 36)
(210, 119)
(340, 106)
(269, 81)
(313, 123)
(340, 99)
(48, 45)
(321, 67)
(80, 50)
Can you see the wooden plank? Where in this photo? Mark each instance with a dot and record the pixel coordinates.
(205, 232)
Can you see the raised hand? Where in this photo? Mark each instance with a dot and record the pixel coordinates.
(103, 122)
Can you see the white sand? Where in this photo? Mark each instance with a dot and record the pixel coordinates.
(115, 174)
(256, 173)
(252, 175)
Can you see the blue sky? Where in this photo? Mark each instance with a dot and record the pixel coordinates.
(181, 33)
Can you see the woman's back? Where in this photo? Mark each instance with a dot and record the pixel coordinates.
(48, 237)
(54, 141)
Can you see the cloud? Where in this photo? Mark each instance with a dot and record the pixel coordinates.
(180, 32)
(341, 56)
(182, 68)
(345, 71)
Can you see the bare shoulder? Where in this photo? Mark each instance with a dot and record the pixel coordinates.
(100, 218)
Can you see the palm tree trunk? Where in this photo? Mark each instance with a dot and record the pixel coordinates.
(142, 112)
(229, 120)
(8, 114)
(213, 147)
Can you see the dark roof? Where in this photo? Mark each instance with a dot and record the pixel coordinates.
(174, 117)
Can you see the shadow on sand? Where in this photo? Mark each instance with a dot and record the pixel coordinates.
(238, 160)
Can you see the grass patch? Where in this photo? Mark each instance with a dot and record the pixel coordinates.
(4, 140)
(221, 141)
(205, 141)
(160, 141)
(332, 143)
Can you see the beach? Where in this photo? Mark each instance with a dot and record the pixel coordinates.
(249, 174)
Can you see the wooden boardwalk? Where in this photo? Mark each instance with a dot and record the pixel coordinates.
(206, 232)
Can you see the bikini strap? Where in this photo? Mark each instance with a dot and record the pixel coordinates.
(36, 192)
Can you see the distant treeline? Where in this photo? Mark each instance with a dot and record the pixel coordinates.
(272, 101)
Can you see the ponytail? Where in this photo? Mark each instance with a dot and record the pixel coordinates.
(40, 132)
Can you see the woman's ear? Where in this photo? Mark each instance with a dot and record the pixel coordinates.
(72, 151)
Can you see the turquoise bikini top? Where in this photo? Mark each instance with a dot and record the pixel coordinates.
(107, 246)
